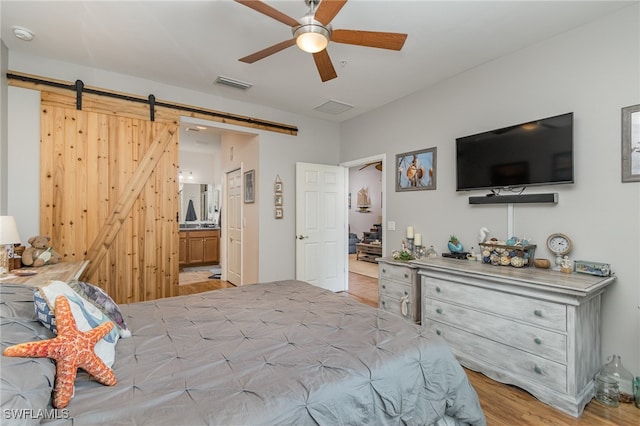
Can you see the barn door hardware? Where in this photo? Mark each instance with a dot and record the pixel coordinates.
(79, 88)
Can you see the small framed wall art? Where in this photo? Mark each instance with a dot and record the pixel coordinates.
(631, 144)
(249, 186)
(416, 170)
(278, 198)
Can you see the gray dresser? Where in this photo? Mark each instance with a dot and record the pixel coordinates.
(533, 328)
(399, 288)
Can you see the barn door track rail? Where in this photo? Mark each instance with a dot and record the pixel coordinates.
(29, 81)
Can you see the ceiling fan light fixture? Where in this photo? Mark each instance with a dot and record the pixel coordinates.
(312, 38)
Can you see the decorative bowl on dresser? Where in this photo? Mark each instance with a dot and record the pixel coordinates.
(534, 328)
(399, 288)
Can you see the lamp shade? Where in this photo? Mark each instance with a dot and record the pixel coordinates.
(9, 230)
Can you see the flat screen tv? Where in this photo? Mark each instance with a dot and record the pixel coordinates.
(537, 152)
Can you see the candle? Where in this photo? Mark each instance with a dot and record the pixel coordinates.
(418, 239)
(409, 231)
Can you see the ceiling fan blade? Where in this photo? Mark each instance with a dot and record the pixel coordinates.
(378, 165)
(382, 40)
(324, 65)
(327, 10)
(268, 51)
(265, 9)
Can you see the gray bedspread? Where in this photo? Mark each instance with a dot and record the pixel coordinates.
(281, 353)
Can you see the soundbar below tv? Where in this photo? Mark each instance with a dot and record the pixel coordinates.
(551, 197)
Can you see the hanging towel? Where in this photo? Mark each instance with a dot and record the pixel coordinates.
(191, 212)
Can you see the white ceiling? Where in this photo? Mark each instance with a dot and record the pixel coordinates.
(189, 43)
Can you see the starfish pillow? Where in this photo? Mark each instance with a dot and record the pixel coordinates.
(71, 349)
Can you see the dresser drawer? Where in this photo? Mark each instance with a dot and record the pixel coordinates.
(393, 305)
(544, 343)
(521, 365)
(394, 289)
(537, 312)
(397, 273)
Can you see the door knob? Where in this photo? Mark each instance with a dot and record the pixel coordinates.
(302, 237)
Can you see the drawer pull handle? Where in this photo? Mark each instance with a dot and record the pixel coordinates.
(537, 313)
(537, 369)
(538, 340)
(439, 310)
(406, 294)
(406, 275)
(438, 289)
(384, 286)
(384, 303)
(439, 333)
(384, 271)
(404, 306)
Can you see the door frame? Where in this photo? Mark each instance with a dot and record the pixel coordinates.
(383, 186)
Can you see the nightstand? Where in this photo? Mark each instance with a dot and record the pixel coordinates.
(63, 271)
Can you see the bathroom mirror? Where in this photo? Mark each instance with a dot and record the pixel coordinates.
(199, 203)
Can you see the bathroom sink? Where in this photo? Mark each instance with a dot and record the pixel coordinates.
(185, 226)
(189, 225)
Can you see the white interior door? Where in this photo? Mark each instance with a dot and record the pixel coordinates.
(234, 227)
(321, 221)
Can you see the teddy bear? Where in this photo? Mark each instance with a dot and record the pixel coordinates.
(40, 253)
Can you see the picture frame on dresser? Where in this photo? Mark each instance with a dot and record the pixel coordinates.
(416, 170)
(631, 143)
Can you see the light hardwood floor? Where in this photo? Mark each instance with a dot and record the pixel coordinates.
(503, 405)
(199, 287)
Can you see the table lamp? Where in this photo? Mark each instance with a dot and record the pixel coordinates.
(8, 237)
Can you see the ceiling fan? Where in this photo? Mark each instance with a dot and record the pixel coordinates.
(313, 32)
(378, 165)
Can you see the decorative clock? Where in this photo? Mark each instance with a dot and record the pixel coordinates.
(560, 245)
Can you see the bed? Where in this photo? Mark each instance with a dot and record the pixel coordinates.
(272, 353)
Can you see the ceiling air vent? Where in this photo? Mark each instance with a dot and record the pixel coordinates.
(237, 84)
(333, 107)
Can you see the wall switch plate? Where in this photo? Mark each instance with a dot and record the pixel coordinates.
(391, 225)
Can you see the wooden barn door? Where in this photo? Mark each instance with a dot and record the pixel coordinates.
(109, 194)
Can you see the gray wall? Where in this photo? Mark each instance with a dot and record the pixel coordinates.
(592, 71)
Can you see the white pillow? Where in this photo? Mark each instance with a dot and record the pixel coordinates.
(86, 314)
